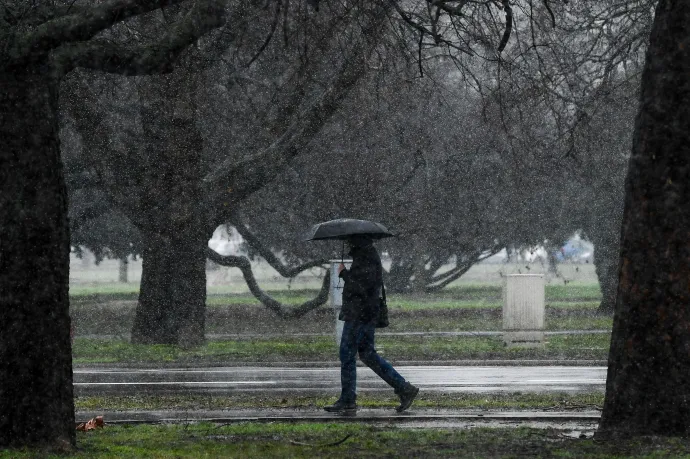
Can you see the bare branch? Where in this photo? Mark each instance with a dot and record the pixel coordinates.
(274, 26)
(81, 25)
(442, 280)
(146, 59)
(285, 312)
(548, 8)
(509, 25)
(254, 172)
(268, 255)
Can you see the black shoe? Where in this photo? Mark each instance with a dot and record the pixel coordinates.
(341, 408)
(407, 395)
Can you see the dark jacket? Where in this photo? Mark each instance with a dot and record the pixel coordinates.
(362, 288)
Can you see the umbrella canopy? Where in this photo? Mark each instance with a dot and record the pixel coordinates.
(343, 228)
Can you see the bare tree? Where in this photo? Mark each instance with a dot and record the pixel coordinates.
(174, 189)
(41, 43)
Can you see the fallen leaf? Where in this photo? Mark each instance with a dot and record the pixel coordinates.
(91, 424)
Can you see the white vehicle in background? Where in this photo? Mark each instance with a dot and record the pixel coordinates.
(227, 241)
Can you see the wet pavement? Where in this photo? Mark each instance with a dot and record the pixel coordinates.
(418, 416)
(320, 380)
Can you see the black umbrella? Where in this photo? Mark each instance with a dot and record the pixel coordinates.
(343, 228)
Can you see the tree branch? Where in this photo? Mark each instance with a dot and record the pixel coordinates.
(247, 176)
(454, 274)
(509, 26)
(268, 255)
(279, 309)
(153, 58)
(81, 25)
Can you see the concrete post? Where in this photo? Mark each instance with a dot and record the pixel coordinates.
(523, 310)
(336, 294)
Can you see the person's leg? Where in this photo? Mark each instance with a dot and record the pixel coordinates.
(346, 404)
(348, 363)
(368, 355)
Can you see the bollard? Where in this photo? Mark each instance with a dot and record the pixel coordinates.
(336, 294)
(523, 310)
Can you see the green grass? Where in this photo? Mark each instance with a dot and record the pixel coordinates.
(104, 289)
(323, 348)
(428, 400)
(318, 440)
(469, 295)
(423, 323)
(579, 323)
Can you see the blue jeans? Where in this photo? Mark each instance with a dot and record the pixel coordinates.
(359, 338)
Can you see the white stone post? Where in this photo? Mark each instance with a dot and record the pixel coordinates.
(336, 295)
(523, 310)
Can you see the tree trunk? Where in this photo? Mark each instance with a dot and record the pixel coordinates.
(648, 383)
(176, 228)
(122, 272)
(398, 277)
(172, 298)
(36, 399)
(605, 238)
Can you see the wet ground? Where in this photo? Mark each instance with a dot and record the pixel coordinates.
(315, 380)
(581, 424)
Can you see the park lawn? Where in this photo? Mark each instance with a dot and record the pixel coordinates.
(426, 400)
(347, 440)
(116, 320)
(469, 308)
(462, 296)
(323, 348)
(420, 322)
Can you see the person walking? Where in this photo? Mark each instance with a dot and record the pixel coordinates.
(360, 312)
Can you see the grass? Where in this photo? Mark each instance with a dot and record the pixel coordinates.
(467, 308)
(552, 323)
(347, 440)
(428, 400)
(470, 293)
(323, 348)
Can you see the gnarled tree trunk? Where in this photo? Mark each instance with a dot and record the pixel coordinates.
(648, 382)
(36, 403)
(174, 221)
(172, 298)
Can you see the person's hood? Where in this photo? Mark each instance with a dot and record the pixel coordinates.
(361, 250)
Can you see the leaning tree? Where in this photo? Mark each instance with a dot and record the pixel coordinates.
(648, 381)
(41, 43)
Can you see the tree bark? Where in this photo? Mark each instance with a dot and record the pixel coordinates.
(172, 298)
(122, 272)
(648, 382)
(176, 224)
(398, 277)
(605, 238)
(36, 400)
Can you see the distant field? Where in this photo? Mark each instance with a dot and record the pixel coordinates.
(86, 276)
(102, 308)
(108, 308)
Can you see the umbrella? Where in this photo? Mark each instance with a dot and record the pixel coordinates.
(343, 228)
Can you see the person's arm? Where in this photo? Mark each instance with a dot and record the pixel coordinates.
(343, 272)
(361, 277)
